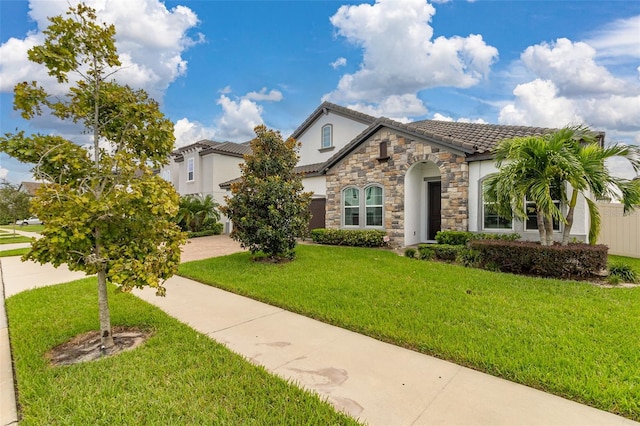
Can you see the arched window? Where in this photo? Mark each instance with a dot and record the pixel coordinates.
(351, 206)
(373, 205)
(367, 203)
(327, 136)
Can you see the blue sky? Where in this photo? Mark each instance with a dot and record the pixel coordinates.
(221, 67)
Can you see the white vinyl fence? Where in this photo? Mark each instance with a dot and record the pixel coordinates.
(621, 233)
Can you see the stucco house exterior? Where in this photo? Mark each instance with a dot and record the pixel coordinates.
(200, 168)
(410, 180)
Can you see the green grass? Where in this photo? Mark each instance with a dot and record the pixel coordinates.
(14, 252)
(177, 377)
(27, 228)
(10, 239)
(634, 262)
(573, 339)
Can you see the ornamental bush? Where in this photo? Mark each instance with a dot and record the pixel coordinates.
(349, 237)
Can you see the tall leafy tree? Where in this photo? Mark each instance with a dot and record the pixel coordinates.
(268, 207)
(105, 211)
(542, 169)
(14, 204)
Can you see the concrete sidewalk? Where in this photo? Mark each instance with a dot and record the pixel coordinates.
(378, 383)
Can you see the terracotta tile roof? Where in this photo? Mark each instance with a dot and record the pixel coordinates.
(328, 106)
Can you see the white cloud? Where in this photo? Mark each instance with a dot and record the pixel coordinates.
(340, 62)
(262, 95)
(440, 117)
(3, 173)
(572, 68)
(618, 39)
(537, 104)
(571, 85)
(187, 132)
(394, 107)
(393, 69)
(150, 40)
(238, 119)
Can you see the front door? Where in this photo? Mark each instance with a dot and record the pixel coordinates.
(433, 209)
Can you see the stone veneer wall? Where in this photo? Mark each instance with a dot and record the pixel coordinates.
(362, 167)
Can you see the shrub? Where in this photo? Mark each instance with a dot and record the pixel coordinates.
(523, 257)
(410, 252)
(453, 238)
(622, 273)
(461, 238)
(468, 257)
(349, 237)
(447, 252)
(426, 251)
(215, 229)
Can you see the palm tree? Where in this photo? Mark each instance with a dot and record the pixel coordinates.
(196, 212)
(541, 169)
(594, 178)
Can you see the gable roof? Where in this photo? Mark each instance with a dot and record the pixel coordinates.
(326, 107)
(228, 148)
(474, 140)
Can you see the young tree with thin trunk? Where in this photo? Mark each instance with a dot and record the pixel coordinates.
(105, 211)
(14, 204)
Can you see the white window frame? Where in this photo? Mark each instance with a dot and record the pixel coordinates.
(361, 207)
(557, 226)
(373, 206)
(345, 207)
(483, 205)
(191, 169)
(323, 140)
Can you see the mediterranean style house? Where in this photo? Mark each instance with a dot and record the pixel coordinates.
(408, 179)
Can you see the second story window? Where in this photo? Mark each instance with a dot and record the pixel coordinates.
(327, 136)
(191, 171)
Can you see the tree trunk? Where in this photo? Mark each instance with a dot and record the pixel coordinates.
(542, 230)
(548, 223)
(103, 306)
(569, 219)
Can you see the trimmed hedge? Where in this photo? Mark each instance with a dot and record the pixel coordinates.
(216, 229)
(461, 238)
(525, 257)
(349, 237)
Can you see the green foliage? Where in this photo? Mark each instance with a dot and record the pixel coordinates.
(268, 208)
(349, 237)
(453, 238)
(544, 168)
(215, 229)
(564, 337)
(104, 210)
(525, 257)
(410, 253)
(461, 238)
(426, 251)
(447, 252)
(197, 213)
(623, 272)
(14, 204)
(468, 257)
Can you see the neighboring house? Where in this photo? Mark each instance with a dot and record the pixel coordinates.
(201, 167)
(29, 187)
(410, 180)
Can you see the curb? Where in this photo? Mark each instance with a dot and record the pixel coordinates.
(8, 406)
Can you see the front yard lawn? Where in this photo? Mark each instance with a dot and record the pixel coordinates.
(10, 239)
(574, 339)
(177, 377)
(14, 252)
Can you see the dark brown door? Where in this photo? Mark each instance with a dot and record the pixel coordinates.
(433, 209)
(317, 208)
